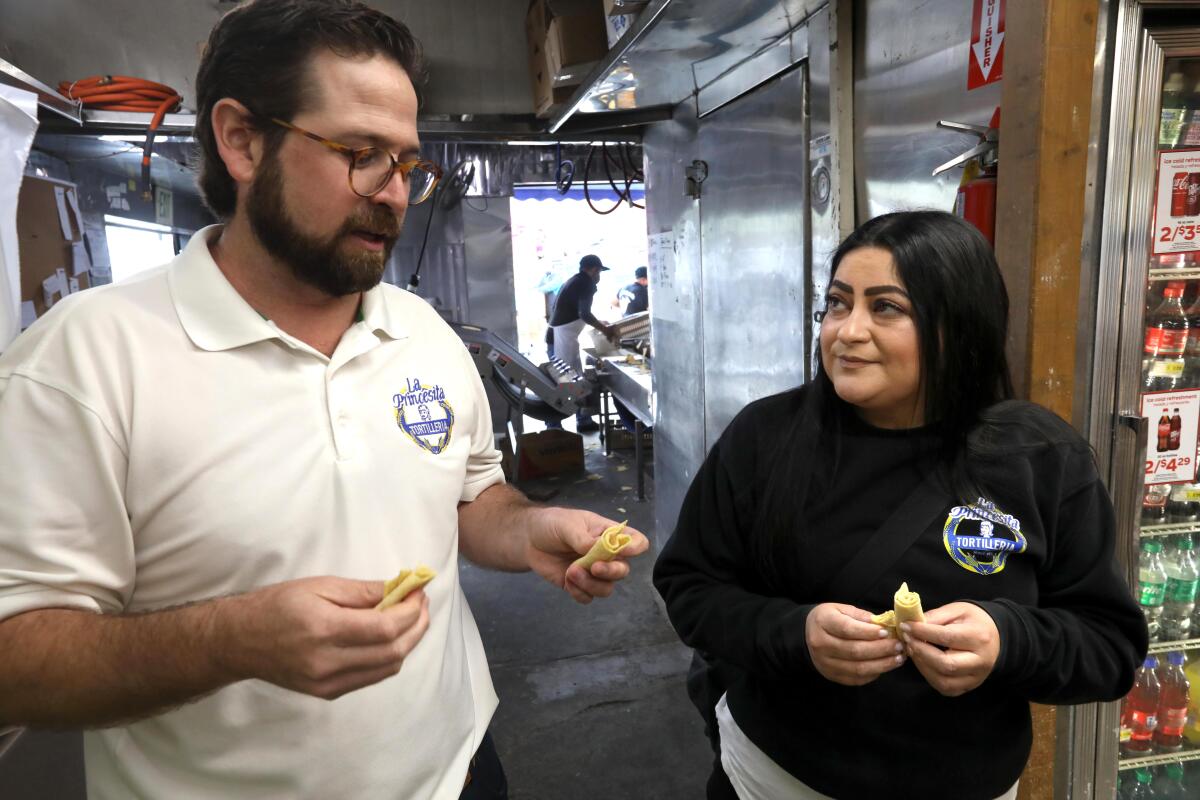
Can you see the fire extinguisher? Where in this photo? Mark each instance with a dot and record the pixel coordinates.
(976, 198)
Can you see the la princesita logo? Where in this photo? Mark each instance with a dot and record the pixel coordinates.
(424, 414)
(980, 537)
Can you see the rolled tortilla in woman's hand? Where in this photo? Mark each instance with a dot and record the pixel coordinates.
(611, 542)
(407, 582)
(906, 607)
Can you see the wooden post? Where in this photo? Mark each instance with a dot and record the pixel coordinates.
(1045, 118)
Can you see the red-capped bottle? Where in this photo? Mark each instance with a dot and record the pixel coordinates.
(1166, 341)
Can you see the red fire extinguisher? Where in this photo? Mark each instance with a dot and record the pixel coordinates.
(976, 198)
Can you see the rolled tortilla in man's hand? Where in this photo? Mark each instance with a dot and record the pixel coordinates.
(407, 582)
(611, 542)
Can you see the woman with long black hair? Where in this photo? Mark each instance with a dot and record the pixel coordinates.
(904, 460)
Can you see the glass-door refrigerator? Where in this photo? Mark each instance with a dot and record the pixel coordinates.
(1145, 398)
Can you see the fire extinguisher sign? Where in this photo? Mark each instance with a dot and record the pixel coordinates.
(1177, 202)
(985, 62)
(1171, 445)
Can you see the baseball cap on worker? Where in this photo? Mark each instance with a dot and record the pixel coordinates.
(640, 272)
(591, 262)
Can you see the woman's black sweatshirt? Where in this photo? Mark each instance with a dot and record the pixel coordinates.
(1036, 552)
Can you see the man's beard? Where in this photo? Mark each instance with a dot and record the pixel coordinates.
(319, 262)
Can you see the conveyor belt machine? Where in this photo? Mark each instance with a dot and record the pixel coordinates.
(549, 392)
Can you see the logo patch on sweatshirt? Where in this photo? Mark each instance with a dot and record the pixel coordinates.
(425, 415)
(980, 537)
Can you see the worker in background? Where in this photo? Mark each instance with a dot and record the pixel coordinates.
(636, 294)
(208, 472)
(573, 310)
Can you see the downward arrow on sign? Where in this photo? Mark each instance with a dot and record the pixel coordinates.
(988, 46)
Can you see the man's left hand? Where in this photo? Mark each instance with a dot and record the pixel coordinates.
(955, 648)
(561, 535)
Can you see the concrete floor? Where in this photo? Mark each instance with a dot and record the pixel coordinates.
(592, 700)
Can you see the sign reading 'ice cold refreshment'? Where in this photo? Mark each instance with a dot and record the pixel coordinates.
(1171, 445)
(1177, 202)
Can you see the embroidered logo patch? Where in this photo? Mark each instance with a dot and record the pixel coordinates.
(424, 414)
(980, 537)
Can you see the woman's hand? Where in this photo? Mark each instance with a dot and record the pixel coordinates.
(955, 648)
(846, 647)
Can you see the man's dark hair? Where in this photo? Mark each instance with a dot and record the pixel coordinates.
(258, 54)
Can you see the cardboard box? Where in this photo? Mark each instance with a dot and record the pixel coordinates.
(50, 237)
(619, 18)
(550, 452)
(620, 439)
(562, 34)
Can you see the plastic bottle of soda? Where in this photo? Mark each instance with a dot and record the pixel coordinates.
(1174, 696)
(1175, 432)
(1166, 341)
(1170, 785)
(1191, 124)
(1139, 711)
(1182, 505)
(1163, 440)
(1183, 579)
(1143, 786)
(1191, 350)
(1152, 584)
(1154, 506)
(1174, 111)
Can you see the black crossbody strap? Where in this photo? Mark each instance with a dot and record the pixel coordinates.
(895, 536)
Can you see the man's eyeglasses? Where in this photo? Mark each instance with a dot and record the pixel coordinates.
(371, 168)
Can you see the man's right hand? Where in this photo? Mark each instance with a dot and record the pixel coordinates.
(320, 636)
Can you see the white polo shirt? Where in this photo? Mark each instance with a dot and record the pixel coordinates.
(163, 443)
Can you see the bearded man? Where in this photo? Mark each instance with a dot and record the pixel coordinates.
(208, 470)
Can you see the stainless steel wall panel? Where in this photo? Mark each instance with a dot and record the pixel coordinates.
(910, 66)
(676, 331)
(753, 220)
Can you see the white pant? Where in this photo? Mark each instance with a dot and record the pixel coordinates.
(755, 776)
(566, 344)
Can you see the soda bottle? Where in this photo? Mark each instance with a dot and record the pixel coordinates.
(1152, 584)
(1154, 506)
(1143, 788)
(1191, 124)
(1174, 109)
(1182, 505)
(1166, 341)
(1191, 729)
(1183, 579)
(1173, 700)
(1170, 785)
(1139, 711)
(1164, 433)
(1191, 350)
(1175, 432)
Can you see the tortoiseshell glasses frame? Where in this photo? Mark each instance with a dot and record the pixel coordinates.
(374, 172)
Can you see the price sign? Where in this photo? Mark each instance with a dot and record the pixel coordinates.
(1171, 446)
(1177, 202)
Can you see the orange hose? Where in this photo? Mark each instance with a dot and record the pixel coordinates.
(122, 93)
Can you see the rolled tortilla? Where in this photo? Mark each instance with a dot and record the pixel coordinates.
(404, 584)
(611, 542)
(906, 607)
(888, 620)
